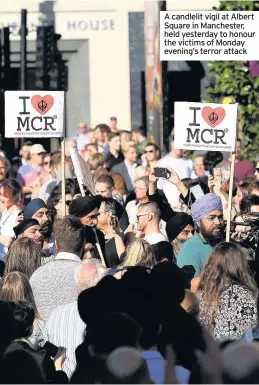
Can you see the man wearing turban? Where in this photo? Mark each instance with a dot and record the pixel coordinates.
(207, 213)
(179, 229)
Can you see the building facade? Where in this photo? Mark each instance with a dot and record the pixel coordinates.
(103, 43)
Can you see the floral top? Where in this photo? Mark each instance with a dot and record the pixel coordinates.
(237, 313)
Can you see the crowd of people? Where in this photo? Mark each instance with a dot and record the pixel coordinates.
(135, 283)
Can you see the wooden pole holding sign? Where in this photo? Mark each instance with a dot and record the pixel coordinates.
(231, 184)
(63, 176)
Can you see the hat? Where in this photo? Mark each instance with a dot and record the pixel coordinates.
(83, 206)
(33, 207)
(205, 205)
(37, 149)
(177, 224)
(24, 225)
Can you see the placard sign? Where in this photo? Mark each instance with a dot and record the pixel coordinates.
(205, 126)
(34, 114)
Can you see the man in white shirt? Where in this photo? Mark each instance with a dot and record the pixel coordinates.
(82, 137)
(199, 168)
(127, 168)
(148, 218)
(54, 284)
(182, 166)
(64, 326)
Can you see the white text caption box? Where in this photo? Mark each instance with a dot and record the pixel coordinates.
(209, 35)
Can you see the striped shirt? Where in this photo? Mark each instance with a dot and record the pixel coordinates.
(65, 328)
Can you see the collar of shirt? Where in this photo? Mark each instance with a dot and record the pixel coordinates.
(70, 256)
(128, 165)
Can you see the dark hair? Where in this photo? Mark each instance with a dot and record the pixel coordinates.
(6, 326)
(24, 256)
(110, 205)
(23, 313)
(113, 135)
(247, 202)
(107, 179)
(69, 234)
(212, 159)
(15, 188)
(111, 331)
(56, 195)
(254, 186)
(103, 128)
(27, 143)
(153, 145)
(239, 140)
(139, 130)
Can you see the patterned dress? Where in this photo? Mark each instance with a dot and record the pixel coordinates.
(237, 313)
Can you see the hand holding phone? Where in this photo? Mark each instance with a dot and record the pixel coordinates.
(162, 172)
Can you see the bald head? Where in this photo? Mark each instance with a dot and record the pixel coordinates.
(82, 127)
(150, 207)
(240, 363)
(148, 217)
(89, 274)
(126, 366)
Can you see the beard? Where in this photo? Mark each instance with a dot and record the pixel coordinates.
(46, 229)
(212, 237)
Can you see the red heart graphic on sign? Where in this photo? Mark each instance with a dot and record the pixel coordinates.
(213, 116)
(42, 104)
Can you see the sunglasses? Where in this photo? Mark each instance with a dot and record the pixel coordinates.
(94, 216)
(68, 202)
(257, 169)
(46, 163)
(149, 152)
(142, 215)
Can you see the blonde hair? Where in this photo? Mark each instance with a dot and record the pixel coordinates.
(129, 145)
(96, 161)
(139, 253)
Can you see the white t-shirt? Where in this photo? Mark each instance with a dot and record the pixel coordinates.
(7, 223)
(154, 238)
(81, 140)
(183, 167)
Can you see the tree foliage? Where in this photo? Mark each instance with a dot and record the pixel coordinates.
(233, 79)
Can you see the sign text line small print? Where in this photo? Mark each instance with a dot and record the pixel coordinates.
(34, 114)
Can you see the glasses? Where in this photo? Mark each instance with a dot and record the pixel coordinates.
(142, 215)
(257, 169)
(68, 202)
(149, 152)
(94, 216)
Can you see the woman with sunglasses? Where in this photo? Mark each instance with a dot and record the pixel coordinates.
(108, 223)
(54, 202)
